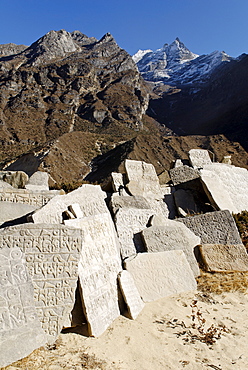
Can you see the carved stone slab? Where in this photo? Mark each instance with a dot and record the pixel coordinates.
(129, 223)
(234, 182)
(99, 266)
(89, 197)
(224, 258)
(130, 293)
(213, 227)
(52, 254)
(25, 196)
(118, 202)
(20, 329)
(161, 274)
(11, 211)
(143, 179)
(172, 236)
(182, 174)
(199, 158)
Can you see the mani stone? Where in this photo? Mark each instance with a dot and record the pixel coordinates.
(232, 182)
(25, 196)
(171, 237)
(143, 179)
(98, 269)
(129, 201)
(89, 197)
(38, 181)
(213, 227)
(130, 294)
(20, 329)
(224, 258)
(17, 179)
(161, 274)
(182, 174)
(199, 158)
(52, 255)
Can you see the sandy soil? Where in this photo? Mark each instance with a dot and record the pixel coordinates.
(162, 337)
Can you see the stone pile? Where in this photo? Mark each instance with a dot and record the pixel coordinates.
(73, 259)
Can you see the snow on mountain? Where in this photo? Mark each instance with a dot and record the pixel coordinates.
(175, 64)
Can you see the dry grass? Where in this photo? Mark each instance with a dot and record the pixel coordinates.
(220, 282)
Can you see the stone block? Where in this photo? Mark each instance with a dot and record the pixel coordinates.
(199, 158)
(214, 227)
(118, 202)
(17, 179)
(99, 266)
(52, 255)
(164, 178)
(182, 174)
(38, 181)
(130, 294)
(171, 236)
(20, 329)
(161, 274)
(25, 196)
(224, 258)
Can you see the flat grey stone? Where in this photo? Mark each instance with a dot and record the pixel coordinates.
(118, 202)
(172, 236)
(130, 294)
(38, 181)
(182, 174)
(161, 274)
(199, 158)
(213, 227)
(20, 329)
(98, 269)
(52, 255)
(224, 258)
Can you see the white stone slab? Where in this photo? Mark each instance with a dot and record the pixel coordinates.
(161, 274)
(10, 211)
(171, 237)
(20, 329)
(52, 255)
(224, 258)
(25, 196)
(130, 294)
(99, 266)
(38, 181)
(199, 158)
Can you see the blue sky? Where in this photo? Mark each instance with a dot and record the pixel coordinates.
(203, 25)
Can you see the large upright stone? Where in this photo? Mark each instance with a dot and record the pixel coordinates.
(227, 182)
(224, 258)
(99, 266)
(161, 274)
(89, 197)
(213, 227)
(20, 329)
(172, 236)
(199, 158)
(38, 181)
(52, 254)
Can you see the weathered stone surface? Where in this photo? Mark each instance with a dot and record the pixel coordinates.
(171, 237)
(143, 179)
(5, 185)
(118, 202)
(117, 183)
(25, 196)
(11, 211)
(178, 163)
(99, 266)
(227, 159)
(164, 178)
(89, 197)
(183, 174)
(214, 227)
(38, 181)
(52, 255)
(130, 293)
(17, 179)
(224, 258)
(129, 223)
(227, 182)
(199, 158)
(184, 200)
(161, 274)
(20, 329)
(167, 192)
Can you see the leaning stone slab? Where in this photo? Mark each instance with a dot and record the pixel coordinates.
(38, 181)
(214, 227)
(25, 196)
(52, 255)
(233, 182)
(20, 329)
(130, 293)
(99, 266)
(161, 274)
(182, 174)
(199, 158)
(12, 211)
(172, 236)
(89, 197)
(17, 179)
(224, 258)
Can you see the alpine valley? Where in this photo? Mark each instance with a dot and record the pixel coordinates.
(76, 106)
